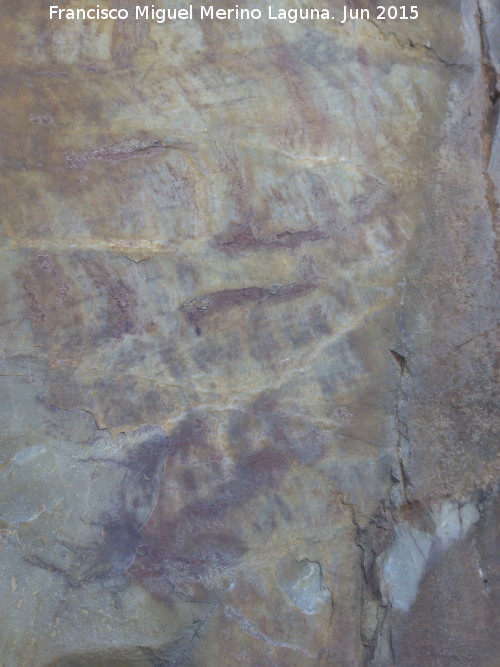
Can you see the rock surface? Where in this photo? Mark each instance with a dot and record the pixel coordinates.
(249, 314)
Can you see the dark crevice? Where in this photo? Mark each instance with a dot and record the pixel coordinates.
(492, 108)
(417, 46)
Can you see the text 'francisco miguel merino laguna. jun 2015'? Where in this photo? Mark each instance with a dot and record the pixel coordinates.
(211, 12)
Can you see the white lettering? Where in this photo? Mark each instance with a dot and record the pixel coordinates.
(160, 15)
(235, 13)
(293, 15)
(141, 12)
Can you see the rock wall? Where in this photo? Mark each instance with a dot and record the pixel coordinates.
(249, 315)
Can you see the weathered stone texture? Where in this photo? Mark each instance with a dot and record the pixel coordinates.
(249, 320)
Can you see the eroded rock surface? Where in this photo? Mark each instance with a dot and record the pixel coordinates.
(249, 315)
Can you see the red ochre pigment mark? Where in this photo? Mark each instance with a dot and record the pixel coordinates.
(127, 150)
(39, 314)
(121, 298)
(126, 488)
(206, 305)
(199, 538)
(244, 239)
(42, 120)
(63, 289)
